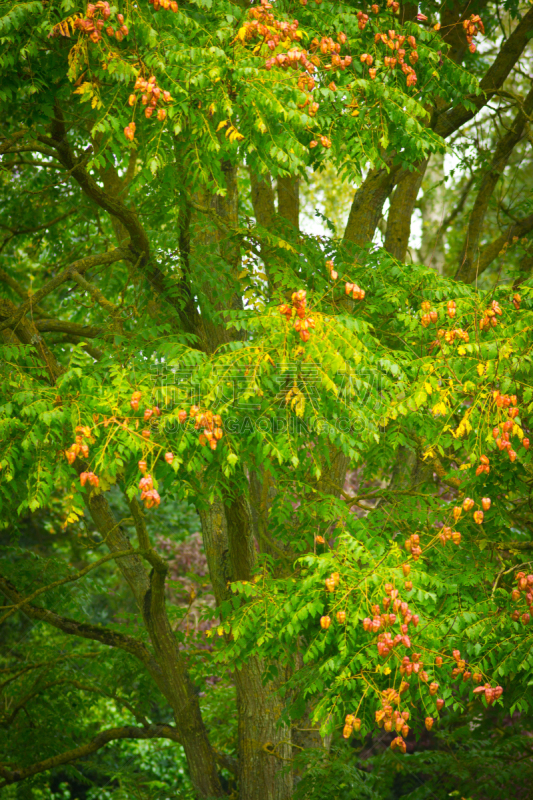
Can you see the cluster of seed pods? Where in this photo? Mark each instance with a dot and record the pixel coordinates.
(503, 430)
(472, 27)
(389, 716)
(80, 446)
(302, 323)
(152, 94)
(89, 477)
(149, 496)
(397, 44)
(430, 315)
(490, 318)
(524, 586)
(98, 20)
(166, 5)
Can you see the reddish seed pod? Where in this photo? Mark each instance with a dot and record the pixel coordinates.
(438, 661)
(325, 622)
(486, 503)
(341, 617)
(440, 704)
(169, 458)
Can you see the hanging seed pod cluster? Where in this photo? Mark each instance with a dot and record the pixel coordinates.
(97, 21)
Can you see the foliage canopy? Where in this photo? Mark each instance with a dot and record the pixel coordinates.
(344, 416)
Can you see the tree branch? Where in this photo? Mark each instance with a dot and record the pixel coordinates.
(448, 122)
(69, 579)
(13, 774)
(289, 200)
(84, 630)
(73, 328)
(18, 289)
(401, 211)
(468, 266)
(95, 293)
(80, 267)
(493, 250)
(114, 206)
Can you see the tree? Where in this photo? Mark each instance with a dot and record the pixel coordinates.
(351, 430)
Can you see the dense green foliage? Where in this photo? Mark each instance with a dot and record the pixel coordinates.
(347, 428)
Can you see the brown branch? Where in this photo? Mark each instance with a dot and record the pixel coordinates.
(94, 352)
(18, 289)
(369, 199)
(289, 200)
(160, 566)
(12, 773)
(34, 147)
(401, 211)
(7, 164)
(84, 687)
(114, 206)
(451, 120)
(80, 267)
(69, 579)
(95, 293)
(10, 141)
(28, 334)
(73, 328)
(367, 205)
(19, 672)
(494, 249)
(84, 630)
(44, 226)
(469, 267)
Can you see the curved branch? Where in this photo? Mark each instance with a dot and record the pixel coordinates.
(14, 774)
(89, 186)
(401, 211)
(80, 267)
(72, 328)
(493, 250)
(69, 579)
(84, 630)
(467, 270)
(449, 121)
